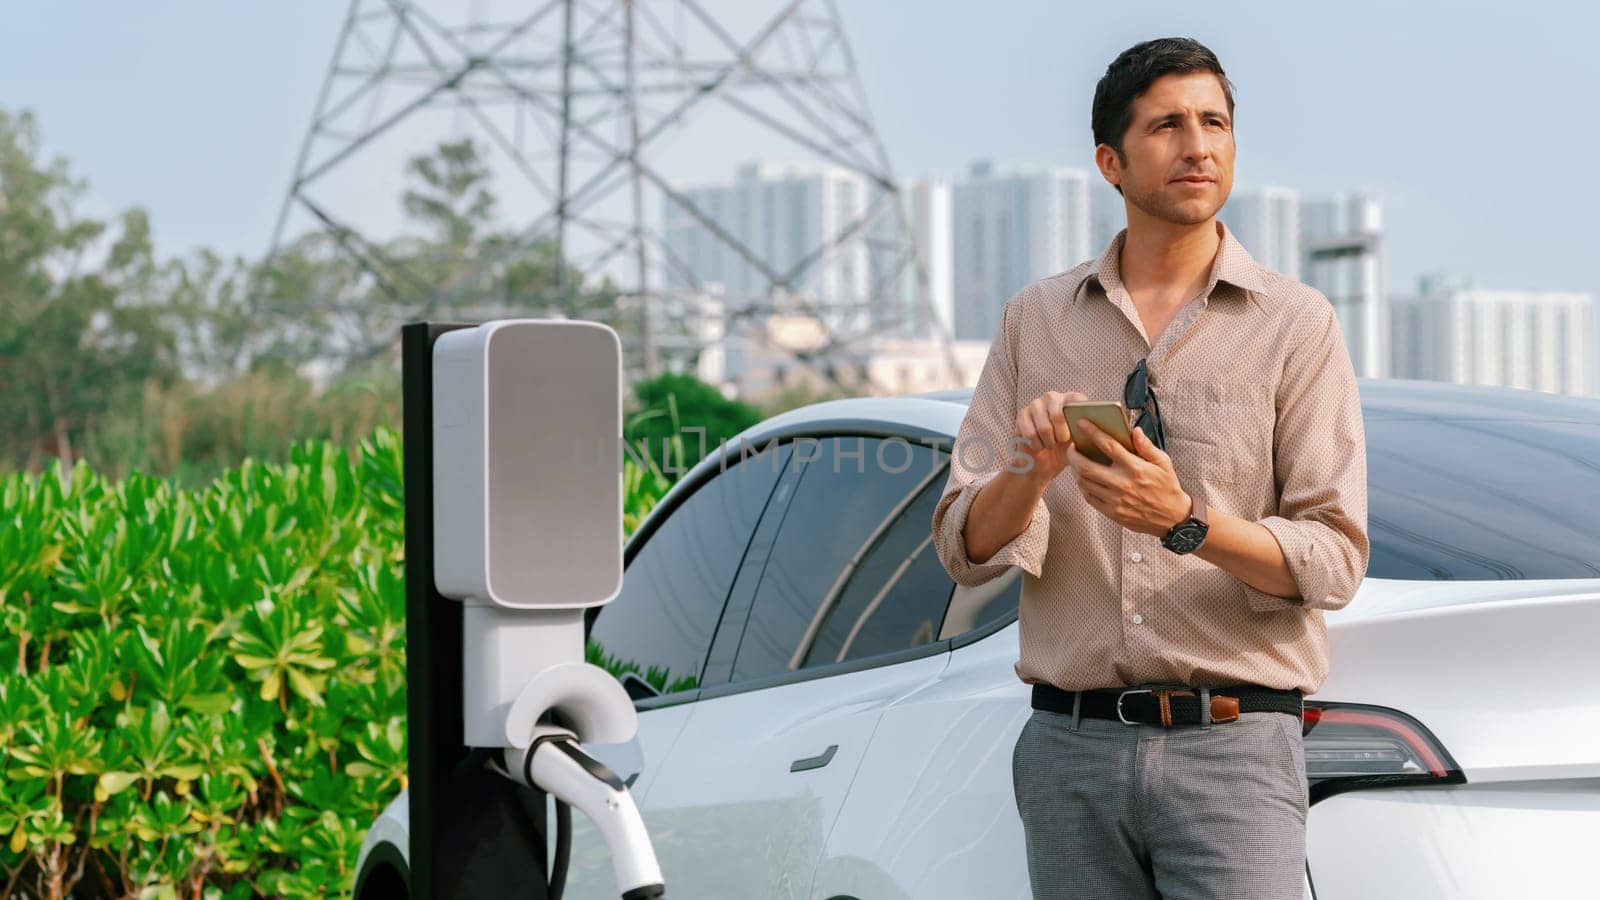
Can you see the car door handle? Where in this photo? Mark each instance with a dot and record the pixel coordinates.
(814, 762)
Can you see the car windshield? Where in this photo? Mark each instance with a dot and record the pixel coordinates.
(1460, 497)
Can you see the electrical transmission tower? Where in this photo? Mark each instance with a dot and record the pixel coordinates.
(590, 111)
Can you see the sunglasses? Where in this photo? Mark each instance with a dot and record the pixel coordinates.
(1137, 395)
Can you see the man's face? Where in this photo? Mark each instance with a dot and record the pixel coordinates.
(1178, 149)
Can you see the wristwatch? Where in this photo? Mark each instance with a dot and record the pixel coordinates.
(1188, 535)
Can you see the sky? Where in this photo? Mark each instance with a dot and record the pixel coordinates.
(1474, 123)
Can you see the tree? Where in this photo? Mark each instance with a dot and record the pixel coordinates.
(452, 197)
(73, 344)
(454, 262)
(488, 266)
(106, 350)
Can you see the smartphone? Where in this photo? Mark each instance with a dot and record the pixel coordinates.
(1108, 415)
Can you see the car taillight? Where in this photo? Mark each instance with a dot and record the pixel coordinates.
(1353, 747)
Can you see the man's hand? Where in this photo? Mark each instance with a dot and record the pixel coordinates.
(1139, 492)
(1043, 433)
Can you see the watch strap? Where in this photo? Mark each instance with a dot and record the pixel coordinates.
(1196, 519)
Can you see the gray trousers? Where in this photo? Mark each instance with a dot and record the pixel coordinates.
(1144, 811)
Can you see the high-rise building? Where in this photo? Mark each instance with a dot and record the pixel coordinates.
(910, 310)
(931, 223)
(1107, 213)
(1266, 221)
(789, 216)
(1341, 249)
(1012, 225)
(1344, 213)
(1539, 340)
(831, 235)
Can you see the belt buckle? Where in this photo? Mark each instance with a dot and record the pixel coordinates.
(1126, 693)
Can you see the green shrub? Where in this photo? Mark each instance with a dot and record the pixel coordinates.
(663, 406)
(202, 692)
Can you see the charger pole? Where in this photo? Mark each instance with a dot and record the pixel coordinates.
(454, 804)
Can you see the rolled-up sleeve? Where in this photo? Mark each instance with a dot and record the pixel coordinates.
(1320, 463)
(982, 449)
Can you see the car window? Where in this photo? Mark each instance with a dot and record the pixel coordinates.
(673, 589)
(1482, 498)
(896, 598)
(975, 607)
(837, 546)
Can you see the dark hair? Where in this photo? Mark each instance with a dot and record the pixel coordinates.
(1132, 73)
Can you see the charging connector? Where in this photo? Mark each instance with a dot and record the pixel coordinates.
(556, 763)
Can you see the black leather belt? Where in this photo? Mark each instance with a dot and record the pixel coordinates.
(1169, 704)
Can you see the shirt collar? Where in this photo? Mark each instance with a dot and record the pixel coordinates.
(1233, 264)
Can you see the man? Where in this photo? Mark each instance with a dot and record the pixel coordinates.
(1195, 569)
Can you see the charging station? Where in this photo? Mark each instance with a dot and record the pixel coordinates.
(513, 473)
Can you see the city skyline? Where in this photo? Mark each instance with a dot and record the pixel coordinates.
(1535, 340)
(1341, 104)
(1006, 224)
(1019, 93)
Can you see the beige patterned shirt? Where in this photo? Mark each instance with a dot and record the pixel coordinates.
(1262, 420)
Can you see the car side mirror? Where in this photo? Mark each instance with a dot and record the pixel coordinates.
(637, 687)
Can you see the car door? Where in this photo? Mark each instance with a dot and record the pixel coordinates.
(831, 624)
(658, 632)
(931, 813)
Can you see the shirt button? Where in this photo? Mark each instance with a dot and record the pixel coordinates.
(1138, 619)
(1136, 556)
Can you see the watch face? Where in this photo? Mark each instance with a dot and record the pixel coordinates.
(1186, 537)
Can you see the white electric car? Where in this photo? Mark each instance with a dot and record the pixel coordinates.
(831, 717)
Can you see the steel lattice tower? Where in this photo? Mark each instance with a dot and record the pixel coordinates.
(582, 103)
